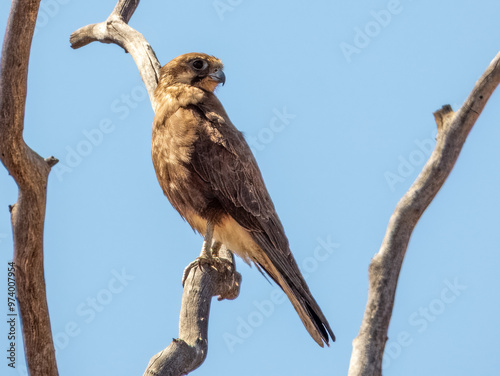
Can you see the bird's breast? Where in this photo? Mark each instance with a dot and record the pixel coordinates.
(172, 150)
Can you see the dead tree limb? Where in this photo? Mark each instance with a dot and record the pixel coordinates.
(453, 129)
(188, 352)
(30, 171)
(208, 279)
(116, 30)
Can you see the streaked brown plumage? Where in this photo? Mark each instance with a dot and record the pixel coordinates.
(208, 173)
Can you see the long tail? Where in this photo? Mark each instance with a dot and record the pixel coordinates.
(269, 250)
(309, 312)
(302, 300)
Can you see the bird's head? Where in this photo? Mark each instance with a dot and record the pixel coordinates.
(195, 69)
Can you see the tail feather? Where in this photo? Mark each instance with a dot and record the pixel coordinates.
(274, 257)
(310, 314)
(302, 300)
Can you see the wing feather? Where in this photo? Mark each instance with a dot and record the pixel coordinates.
(223, 159)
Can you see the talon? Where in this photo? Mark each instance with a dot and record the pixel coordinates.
(187, 270)
(202, 259)
(214, 262)
(209, 254)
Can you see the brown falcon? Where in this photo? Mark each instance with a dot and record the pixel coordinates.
(208, 173)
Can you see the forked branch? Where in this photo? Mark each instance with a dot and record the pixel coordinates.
(453, 129)
(116, 30)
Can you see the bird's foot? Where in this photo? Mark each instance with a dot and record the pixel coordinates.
(208, 256)
(205, 260)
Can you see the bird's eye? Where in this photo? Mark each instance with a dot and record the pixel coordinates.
(199, 64)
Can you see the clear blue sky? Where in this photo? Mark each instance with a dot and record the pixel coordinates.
(359, 82)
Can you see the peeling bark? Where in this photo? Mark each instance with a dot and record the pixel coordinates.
(30, 171)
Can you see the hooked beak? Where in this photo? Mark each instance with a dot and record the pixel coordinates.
(218, 76)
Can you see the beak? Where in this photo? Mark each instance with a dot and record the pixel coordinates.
(218, 76)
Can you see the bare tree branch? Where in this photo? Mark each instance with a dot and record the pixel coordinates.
(453, 128)
(217, 277)
(185, 354)
(116, 30)
(30, 171)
